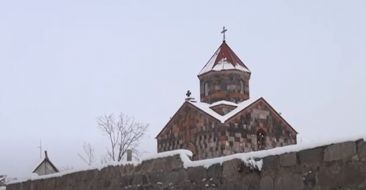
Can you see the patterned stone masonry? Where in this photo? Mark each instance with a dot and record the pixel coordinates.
(228, 85)
(255, 128)
(189, 129)
(259, 128)
(223, 109)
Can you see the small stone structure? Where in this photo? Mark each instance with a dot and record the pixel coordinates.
(45, 167)
(329, 167)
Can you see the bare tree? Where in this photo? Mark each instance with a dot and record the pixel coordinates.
(88, 154)
(123, 133)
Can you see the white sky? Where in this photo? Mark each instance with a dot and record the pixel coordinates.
(63, 63)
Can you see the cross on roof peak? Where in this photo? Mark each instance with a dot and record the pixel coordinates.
(188, 94)
(224, 30)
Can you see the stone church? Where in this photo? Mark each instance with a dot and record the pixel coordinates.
(226, 120)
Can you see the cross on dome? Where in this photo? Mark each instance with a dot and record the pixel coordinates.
(224, 30)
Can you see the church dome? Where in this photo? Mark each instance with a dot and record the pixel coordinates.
(224, 77)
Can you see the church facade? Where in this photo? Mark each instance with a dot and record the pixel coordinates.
(226, 120)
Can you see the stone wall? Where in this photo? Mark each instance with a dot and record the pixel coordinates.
(330, 167)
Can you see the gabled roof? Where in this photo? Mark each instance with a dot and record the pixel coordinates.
(211, 113)
(224, 58)
(206, 108)
(222, 118)
(46, 160)
(236, 111)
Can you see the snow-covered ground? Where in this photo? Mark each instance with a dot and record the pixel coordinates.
(2, 188)
(251, 159)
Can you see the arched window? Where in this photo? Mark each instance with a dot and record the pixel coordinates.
(206, 88)
(261, 139)
(241, 86)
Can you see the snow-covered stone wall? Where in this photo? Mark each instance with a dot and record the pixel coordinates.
(330, 166)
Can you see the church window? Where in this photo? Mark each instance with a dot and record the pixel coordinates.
(261, 139)
(206, 88)
(241, 86)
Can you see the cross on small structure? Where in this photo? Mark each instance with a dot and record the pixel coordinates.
(188, 94)
(40, 149)
(224, 30)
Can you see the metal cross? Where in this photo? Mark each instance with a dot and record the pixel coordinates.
(224, 30)
(188, 94)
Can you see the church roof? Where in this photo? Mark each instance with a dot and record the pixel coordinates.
(46, 161)
(223, 118)
(240, 107)
(206, 108)
(224, 58)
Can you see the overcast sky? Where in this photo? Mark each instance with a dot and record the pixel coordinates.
(64, 63)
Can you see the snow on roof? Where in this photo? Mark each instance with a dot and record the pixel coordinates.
(250, 159)
(225, 102)
(224, 58)
(223, 64)
(222, 118)
(206, 108)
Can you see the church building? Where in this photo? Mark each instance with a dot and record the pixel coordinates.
(45, 167)
(226, 120)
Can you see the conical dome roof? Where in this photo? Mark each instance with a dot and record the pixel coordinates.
(224, 58)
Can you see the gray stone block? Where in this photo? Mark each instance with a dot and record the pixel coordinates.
(350, 174)
(233, 186)
(197, 174)
(161, 164)
(289, 159)
(270, 162)
(214, 171)
(289, 181)
(354, 173)
(231, 168)
(311, 156)
(340, 151)
(361, 150)
(266, 183)
(175, 177)
(309, 178)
